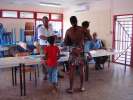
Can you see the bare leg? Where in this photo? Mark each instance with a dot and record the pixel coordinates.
(82, 77)
(44, 71)
(71, 78)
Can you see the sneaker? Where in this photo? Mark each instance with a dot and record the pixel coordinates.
(100, 67)
(82, 89)
(69, 91)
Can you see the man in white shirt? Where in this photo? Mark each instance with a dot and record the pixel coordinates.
(45, 30)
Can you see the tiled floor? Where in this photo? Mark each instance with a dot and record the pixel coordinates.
(107, 84)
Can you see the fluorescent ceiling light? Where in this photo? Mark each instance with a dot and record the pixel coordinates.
(50, 4)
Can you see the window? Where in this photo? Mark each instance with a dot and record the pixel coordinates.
(12, 14)
(26, 15)
(56, 16)
(40, 15)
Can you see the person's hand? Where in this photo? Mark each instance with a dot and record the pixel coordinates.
(42, 60)
(76, 51)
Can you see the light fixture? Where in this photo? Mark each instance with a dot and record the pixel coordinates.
(50, 4)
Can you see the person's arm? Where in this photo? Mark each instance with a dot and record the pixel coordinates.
(43, 37)
(41, 34)
(88, 35)
(67, 42)
(58, 53)
(67, 39)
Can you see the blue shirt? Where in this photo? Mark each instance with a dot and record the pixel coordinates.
(88, 46)
(2, 31)
(97, 44)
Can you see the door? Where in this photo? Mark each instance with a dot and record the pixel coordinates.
(123, 31)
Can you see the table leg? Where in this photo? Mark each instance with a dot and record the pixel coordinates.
(38, 69)
(13, 76)
(24, 82)
(35, 76)
(108, 62)
(21, 83)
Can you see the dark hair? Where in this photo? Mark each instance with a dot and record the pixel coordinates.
(45, 17)
(51, 39)
(85, 24)
(73, 20)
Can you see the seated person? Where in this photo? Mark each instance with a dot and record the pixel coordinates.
(98, 44)
(2, 31)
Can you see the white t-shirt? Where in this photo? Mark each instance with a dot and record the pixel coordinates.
(43, 31)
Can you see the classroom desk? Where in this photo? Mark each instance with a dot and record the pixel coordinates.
(22, 61)
(99, 53)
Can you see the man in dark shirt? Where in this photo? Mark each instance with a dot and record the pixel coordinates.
(74, 39)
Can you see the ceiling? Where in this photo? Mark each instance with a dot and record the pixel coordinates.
(62, 3)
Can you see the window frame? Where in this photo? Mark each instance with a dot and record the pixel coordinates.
(27, 17)
(8, 17)
(42, 13)
(34, 16)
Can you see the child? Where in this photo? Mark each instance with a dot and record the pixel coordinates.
(52, 54)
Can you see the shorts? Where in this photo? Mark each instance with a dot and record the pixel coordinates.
(76, 57)
(53, 75)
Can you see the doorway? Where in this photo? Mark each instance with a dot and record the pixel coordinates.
(122, 39)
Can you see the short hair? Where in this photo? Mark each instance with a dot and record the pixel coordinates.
(73, 20)
(51, 39)
(85, 24)
(45, 17)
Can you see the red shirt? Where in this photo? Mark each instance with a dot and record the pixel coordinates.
(52, 53)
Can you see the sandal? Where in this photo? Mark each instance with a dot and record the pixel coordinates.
(69, 90)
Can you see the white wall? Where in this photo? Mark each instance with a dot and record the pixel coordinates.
(122, 7)
(31, 8)
(100, 16)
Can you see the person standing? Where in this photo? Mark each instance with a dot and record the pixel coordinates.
(88, 39)
(74, 39)
(44, 31)
(52, 54)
